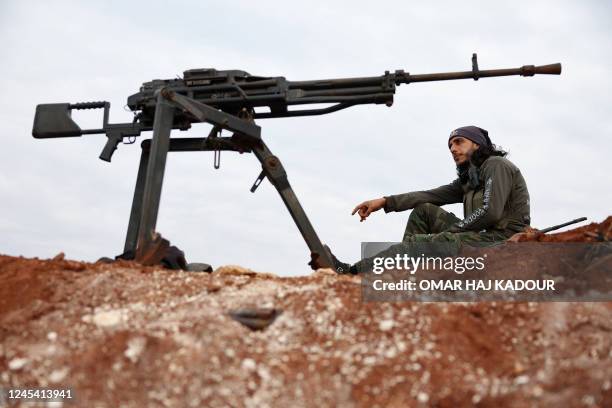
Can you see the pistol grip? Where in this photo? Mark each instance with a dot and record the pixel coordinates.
(110, 147)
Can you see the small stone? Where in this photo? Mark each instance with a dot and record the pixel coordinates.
(255, 318)
(537, 391)
(249, 364)
(422, 397)
(59, 375)
(17, 363)
(390, 353)
(52, 336)
(107, 318)
(134, 348)
(59, 257)
(521, 379)
(386, 325)
(263, 373)
(588, 400)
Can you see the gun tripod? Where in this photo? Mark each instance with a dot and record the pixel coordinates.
(141, 236)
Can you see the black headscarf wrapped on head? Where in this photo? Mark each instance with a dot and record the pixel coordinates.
(473, 133)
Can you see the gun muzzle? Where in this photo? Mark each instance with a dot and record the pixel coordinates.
(550, 69)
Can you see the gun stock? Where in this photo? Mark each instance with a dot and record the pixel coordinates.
(55, 119)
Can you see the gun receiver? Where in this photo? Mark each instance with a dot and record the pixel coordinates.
(231, 100)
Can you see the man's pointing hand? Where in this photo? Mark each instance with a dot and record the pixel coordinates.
(368, 207)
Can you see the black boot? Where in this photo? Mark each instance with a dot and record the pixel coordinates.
(340, 267)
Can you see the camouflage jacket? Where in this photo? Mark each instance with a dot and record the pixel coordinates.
(499, 202)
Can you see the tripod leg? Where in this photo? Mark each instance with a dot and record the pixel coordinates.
(162, 125)
(136, 212)
(274, 170)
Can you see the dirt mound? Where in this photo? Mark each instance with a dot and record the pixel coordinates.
(143, 336)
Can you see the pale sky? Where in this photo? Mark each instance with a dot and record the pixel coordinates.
(58, 196)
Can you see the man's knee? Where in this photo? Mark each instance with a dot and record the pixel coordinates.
(439, 237)
(447, 237)
(468, 237)
(426, 207)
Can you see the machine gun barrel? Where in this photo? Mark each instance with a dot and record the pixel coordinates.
(525, 70)
(401, 77)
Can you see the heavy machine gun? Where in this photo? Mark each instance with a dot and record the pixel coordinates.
(231, 100)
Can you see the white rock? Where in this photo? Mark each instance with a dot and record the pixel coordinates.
(390, 353)
(249, 364)
(134, 348)
(537, 391)
(17, 363)
(422, 397)
(108, 318)
(369, 361)
(264, 373)
(52, 336)
(59, 375)
(521, 379)
(385, 325)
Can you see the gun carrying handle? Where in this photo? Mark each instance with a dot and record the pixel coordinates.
(89, 105)
(94, 105)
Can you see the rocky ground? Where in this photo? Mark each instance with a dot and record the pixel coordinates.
(132, 336)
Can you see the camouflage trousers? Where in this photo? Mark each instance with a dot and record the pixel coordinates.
(427, 224)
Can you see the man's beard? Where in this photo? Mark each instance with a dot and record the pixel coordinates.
(468, 172)
(462, 171)
(463, 168)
